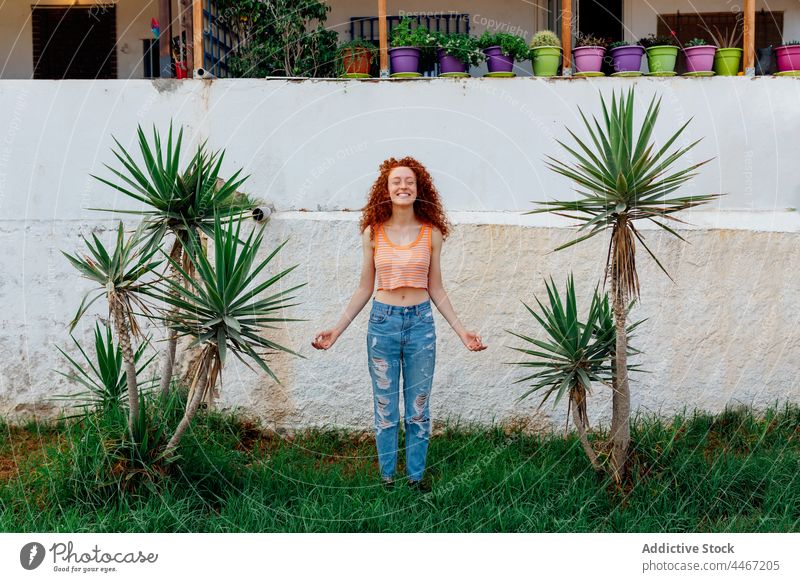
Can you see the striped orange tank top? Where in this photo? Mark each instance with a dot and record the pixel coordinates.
(402, 265)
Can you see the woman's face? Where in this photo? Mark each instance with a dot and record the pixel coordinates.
(402, 186)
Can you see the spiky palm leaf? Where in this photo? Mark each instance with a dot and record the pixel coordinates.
(573, 351)
(177, 198)
(102, 376)
(222, 307)
(118, 272)
(623, 178)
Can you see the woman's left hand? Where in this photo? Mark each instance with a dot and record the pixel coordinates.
(473, 341)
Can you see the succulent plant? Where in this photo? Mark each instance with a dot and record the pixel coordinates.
(545, 38)
(619, 43)
(591, 40)
(653, 40)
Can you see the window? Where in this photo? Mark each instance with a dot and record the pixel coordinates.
(74, 42)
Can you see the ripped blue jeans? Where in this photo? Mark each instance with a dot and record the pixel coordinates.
(401, 339)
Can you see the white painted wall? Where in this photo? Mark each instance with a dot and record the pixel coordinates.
(725, 331)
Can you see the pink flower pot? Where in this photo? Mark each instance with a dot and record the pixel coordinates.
(699, 58)
(588, 59)
(788, 57)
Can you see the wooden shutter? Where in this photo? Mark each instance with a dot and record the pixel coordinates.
(769, 25)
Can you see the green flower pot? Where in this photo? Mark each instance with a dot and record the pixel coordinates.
(726, 61)
(661, 58)
(546, 60)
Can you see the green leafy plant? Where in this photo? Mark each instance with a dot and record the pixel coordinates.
(221, 311)
(460, 46)
(177, 200)
(652, 40)
(510, 44)
(545, 38)
(622, 178)
(286, 38)
(696, 42)
(119, 275)
(419, 36)
(352, 48)
(102, 376)
(591, 40)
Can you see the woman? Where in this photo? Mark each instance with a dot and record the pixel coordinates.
(403, 226)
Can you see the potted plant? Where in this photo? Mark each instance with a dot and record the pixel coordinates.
(588, 53)
(662, 52)
(699, 55)
(408, 46)
(728, 55)
(354, 58)
(501, 50)
(627, 57)
(456, 52)
(545, 49)
(787, 56)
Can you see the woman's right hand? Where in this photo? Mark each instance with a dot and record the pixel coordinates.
(325, 339)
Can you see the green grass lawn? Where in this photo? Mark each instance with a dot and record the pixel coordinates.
(733, 472)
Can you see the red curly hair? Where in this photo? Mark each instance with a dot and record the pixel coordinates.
(427, 207)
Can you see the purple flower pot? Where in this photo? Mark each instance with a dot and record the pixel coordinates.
(588, 59)
(788, 57)
(404, 59)
(699, 58)
(497, 61)
(627, 58)
(448, 64)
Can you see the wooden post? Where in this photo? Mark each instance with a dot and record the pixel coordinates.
(197, 30)
(749, 37)
(566, 37)
(165, 38)
(383, 36)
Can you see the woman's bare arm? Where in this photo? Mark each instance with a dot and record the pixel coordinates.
(439, 297)
(366, 285)
(326, 338)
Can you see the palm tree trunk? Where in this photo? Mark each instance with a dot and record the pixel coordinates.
(581, 420)
(123, 336)
(209, 365)
(172, 341)
(621, 397)
(193, 355)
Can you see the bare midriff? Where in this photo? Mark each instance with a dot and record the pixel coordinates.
(402, 296)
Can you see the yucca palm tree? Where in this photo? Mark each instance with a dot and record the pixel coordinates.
(103, 376)
(119, 277)
(179, 200)
(623, 178)
(221, 309)
(575, 354)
